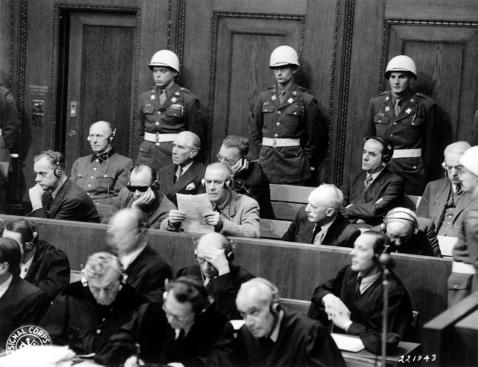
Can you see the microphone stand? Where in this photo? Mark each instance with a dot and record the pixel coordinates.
(386, 262)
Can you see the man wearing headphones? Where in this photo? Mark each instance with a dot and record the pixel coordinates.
(273, 336)
(56, 197)
(352, 301)
(144, 268)
(376, 190)
(409, 234)
(21, 303)
(222, 278)
(248, 178)
(182, 331)
(443, 200)
(184, 174)
(103, 173)
(321, 222)
(233, 214)
(464, 279)
(88, 312)
(142, 193)
(42, 265)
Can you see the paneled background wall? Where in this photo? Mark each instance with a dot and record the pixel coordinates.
(72, 62)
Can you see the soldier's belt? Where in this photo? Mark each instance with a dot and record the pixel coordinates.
(462, 268)
(159, 138)
(276, 142)
(407, 153)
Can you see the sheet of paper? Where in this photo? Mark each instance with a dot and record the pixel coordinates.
(348, 343)
(195, 206)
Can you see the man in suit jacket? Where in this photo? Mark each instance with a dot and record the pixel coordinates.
(142, 193)
(21, 303)
(184, 175)
(221, 277)
(145, 270)
(320, 221)
(54, 196)
(43, 265)
(371, 194)
(443, 201)
(232, 214)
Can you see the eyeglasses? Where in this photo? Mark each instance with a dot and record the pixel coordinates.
(223, 160)
(137, 188)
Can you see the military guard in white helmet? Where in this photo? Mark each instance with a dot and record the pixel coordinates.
(286, 125)
(408, 119)
(165, 111)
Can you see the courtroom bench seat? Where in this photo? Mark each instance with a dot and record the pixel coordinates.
(294, 267)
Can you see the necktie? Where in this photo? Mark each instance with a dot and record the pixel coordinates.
(318, 235)
(398, 107)
(162, 97)
(179, 172)
(180, 336)
(359, 282)
(282, 96)
(368, 181)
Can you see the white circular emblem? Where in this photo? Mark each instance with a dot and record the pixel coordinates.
(28, 335)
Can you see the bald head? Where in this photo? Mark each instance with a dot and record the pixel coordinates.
(211, 240)
(324, 203)
(215, 179)
(99, 136)
(125, 231)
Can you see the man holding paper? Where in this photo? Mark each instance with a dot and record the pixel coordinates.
(230, 214)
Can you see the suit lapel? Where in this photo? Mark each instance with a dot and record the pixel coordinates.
(58, 198)
(461, 205)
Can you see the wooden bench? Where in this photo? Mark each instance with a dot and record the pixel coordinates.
(453, 335)
(296, 268)
(288, 199)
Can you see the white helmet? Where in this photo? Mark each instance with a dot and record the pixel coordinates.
(283, 55)
(165, 58)
(401, 63)
(469, 160)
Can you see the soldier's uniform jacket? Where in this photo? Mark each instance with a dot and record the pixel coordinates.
(180, 112)
(102, 176)
(297, 118)
(413, 128)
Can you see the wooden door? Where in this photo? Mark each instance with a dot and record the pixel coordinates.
(100, 77)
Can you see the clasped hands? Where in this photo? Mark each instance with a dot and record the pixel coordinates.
(337, 311)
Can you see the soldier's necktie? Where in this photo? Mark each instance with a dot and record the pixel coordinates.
(162, 97)
(282, 96)
(397, 107)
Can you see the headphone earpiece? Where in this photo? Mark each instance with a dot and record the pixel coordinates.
(387, 148)
(112, 136)
(275, 308)
(57, 171)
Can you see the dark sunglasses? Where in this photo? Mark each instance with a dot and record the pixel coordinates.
(137, 188)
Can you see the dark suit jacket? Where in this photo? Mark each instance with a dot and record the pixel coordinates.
(22, 304)
(371, 205)
(192, 177)
(341, 232)
(148, 272)
(434, 199)
(223, 288)
(70, 203)
(50, 269)
(254, 183)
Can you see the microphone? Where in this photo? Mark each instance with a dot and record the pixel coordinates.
(385, 258)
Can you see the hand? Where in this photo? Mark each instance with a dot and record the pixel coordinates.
(213, 219)
(337, 311)
(191, 187)
(133, 361)
(176, 216)
(147, 197)
(35, 194)
(216, 258)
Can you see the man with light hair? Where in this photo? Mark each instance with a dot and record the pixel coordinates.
(320, 221)
(275, 336)
(443, 200)
(463, 279)
(232, 215)
(184, 174)
(88, 312)
(103, 173)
